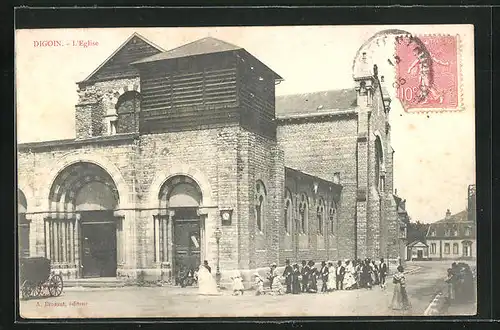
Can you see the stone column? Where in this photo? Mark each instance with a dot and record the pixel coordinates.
(164, 256)
(64, 247)
(77, 245)
(119, 216)
(156, 220)
(71, 242)
(47, 228)
(170, 237)
(203, 214)
(54, 239)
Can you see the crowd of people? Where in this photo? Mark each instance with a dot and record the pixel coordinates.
(330, 276)
(460, 280)
(309, 278)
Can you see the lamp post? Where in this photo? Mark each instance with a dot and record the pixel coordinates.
(218, 235)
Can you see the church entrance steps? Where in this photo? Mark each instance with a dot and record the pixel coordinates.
(100, 282)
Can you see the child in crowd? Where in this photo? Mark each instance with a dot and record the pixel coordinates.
(259, 284)
(237, 285)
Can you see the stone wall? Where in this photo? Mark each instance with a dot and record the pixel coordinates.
(323, 148)
(96, 102)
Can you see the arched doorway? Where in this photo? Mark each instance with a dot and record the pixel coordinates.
(23, 225)
(182, 197)
(88, 241)
(466, 249)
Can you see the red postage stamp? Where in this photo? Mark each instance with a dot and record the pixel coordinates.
(427, 72)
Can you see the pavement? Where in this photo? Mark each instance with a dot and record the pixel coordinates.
(424, 281)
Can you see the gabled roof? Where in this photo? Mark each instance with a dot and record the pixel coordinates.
(416, 242)
(136, 35)
(206, 45)
(316, 103)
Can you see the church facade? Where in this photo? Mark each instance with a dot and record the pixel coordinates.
(188, 155)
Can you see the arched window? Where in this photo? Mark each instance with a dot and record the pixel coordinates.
(320, 213)
(332, 218)
(260, 194)
(127, 110)
(287, 221)
(303, 209)
(379, 177)
(23, 225)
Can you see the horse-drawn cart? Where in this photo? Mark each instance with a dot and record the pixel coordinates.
(37, 279)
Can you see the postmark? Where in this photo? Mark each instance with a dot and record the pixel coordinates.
(428, 73)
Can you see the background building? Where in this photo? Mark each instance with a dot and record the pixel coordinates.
(417, 250)
(187, 155)
(454, 237)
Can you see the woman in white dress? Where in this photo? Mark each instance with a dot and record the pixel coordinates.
(206, 282)
(331, 283)
(349, 279)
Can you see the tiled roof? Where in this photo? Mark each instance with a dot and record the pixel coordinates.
(202, 46)
(458, 217)
(315, 103)
(445, 228)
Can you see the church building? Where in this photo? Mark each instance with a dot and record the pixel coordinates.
(188, 155)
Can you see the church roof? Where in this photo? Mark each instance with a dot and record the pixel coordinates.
(132, 49)
(316, 103)
(206, 45)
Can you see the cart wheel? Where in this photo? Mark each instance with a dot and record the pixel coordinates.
(55, 285)
(25, 290)
(37, 291)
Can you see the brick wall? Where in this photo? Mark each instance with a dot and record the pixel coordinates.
(312, 244)
(265, 164)
(322, 149)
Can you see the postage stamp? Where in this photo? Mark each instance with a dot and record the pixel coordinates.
(427, 72)
(245, 171)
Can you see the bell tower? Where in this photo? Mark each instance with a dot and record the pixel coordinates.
(366, 82)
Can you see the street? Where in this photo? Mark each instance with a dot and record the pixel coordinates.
(424, 280)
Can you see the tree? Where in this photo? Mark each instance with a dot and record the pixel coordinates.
(417, 231)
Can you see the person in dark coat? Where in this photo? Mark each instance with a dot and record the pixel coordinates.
(339, 276)
(305, 275)
(468, 289)
(324, 276)
(296, 279)
(382, 273)
(313, 277)
(287, 274)
(205, 264)
(456, 275)
(366, 274)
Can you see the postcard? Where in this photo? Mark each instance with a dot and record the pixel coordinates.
(271, 171)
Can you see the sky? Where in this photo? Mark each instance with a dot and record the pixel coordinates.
(434, 158)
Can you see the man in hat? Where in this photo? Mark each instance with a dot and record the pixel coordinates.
(324, 276)
(296, 277)
(305, 275)
(339, 276)
(287, 274)
(313, 277)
